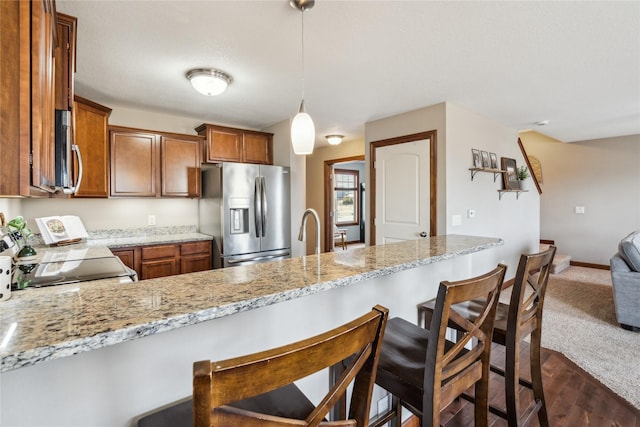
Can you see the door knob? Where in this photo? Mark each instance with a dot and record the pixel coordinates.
(423, 234)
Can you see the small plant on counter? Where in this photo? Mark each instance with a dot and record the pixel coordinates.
(19, 230)
(523, 173)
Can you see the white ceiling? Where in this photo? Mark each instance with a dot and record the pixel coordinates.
(576, 64)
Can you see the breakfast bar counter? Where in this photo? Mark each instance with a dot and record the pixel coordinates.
(126, 336)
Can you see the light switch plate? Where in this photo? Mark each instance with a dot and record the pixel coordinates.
(152, 220)
(456, 220)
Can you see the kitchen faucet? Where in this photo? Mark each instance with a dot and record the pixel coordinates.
(305, 215)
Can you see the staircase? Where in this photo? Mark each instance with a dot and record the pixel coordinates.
(560, 262)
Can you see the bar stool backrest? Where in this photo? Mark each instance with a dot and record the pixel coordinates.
(451, 368)
(218, 384)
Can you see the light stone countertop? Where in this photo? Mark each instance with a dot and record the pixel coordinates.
(43, 324)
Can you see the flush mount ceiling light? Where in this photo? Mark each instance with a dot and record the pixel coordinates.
(209, 81)
(334, 139)
(303, 132)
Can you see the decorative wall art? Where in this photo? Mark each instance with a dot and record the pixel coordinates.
(494, 160)
(485, 159)
(509, 176)
(477, 162)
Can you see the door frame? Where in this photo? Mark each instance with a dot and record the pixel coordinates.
(431, 135)
(328, 194)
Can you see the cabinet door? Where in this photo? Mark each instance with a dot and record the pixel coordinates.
(42, 94)
(223, 145)
(65, 61)
(134, 163)
(129, 257)
(257, 148)
(92, 138)
(159, 261)
(15, 100)
(180, 166)
(195, 256)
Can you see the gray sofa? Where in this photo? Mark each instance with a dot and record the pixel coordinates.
(625, 275)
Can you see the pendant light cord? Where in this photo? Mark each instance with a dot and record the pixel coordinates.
(302, 56)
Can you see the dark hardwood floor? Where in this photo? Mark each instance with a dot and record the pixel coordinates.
(574, 398)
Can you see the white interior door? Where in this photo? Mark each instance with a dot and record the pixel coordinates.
(402, 191)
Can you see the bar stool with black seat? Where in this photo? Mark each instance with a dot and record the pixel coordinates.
(515, 321)
(258, 390)
(424, 371)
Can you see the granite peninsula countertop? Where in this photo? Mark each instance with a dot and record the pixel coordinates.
(43, 324)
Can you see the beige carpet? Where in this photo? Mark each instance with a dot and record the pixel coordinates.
(579, 321)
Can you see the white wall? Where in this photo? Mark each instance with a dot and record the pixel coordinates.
(10, 208)
(517, 221)
(458, 131)
(601, 175)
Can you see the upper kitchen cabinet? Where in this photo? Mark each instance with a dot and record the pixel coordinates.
(92, 138)
(225, 144)
(154, 164)
(29, 36)
(65, 55)
(135, 157)
(180, 165)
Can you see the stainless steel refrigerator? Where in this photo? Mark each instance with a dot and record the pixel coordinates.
(246, 208)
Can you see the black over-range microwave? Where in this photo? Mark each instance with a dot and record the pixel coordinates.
(63, 155)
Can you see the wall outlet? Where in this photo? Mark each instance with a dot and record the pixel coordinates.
(579, 209)
(151, 220)
(471, 213)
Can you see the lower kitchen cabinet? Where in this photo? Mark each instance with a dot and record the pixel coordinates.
(155, 261)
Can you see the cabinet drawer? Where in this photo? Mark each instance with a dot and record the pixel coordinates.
(161, 251)
(195, 248)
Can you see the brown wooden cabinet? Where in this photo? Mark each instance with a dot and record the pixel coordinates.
(92, 138)
(180, 166)
(226, 144)
(129, 257)
(153, 164)
(195, 256)
(155, 261)
(43, 44)
(28, 79)
(65, 61)
(159, 261)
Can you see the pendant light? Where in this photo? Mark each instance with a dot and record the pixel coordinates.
(303, 132)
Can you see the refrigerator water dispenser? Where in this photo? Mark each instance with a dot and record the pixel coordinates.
(239, 220)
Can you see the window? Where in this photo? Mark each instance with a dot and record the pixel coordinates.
(346, 200)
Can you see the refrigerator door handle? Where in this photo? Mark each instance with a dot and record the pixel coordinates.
(257, 205)
(263, 196)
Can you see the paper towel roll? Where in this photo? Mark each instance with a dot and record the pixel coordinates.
(5, 278)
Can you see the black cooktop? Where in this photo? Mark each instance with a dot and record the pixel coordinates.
(62, 272)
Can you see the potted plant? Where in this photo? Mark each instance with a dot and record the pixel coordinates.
(522, 173)
(20, 233)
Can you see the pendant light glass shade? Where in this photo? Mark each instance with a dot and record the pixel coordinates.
(303, 132)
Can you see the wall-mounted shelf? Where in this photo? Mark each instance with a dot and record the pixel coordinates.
(501, 192)
(495, 172)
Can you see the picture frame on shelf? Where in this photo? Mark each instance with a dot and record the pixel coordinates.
(509, 176)
(477, 161)
(494, 160)
(485, 159)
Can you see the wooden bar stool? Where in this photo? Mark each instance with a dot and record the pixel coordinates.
(258, 390)
(515, 321)
(425, 372)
